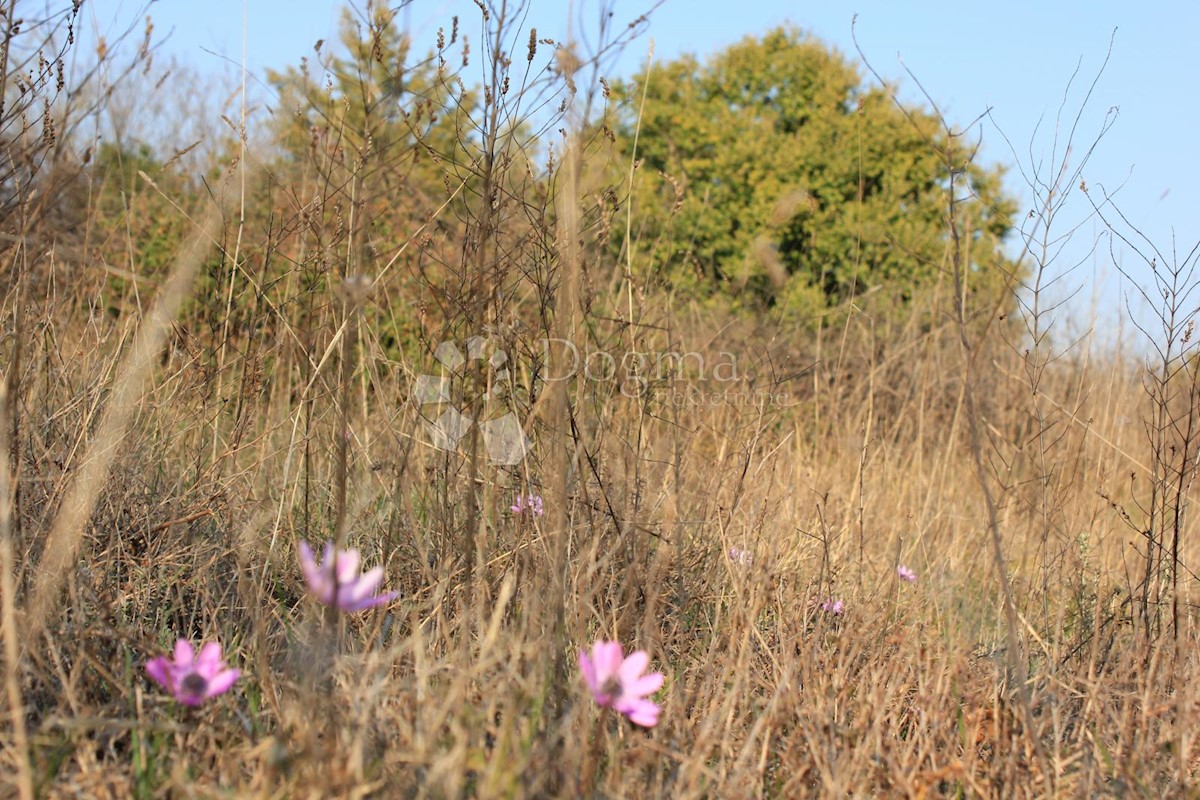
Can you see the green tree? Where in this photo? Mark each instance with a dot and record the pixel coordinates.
(772, 173)
(385, 130)
(381, 142)
(139, 230)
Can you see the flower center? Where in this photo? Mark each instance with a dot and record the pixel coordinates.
(610, 690)
(193, 685)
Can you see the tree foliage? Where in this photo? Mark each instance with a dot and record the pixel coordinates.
(394, 135)
(771, 172)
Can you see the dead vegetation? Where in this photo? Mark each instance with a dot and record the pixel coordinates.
(182, 407)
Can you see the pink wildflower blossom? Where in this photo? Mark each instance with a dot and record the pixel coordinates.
(341, 585)
(740, 556)
(617, 682)
(906, 574)
(192, 679)
(835, 607)
(532, 503)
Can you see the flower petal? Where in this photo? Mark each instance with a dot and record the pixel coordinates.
(641, 712)
(644, 686)
(607, 657)
(598, 659)
(356, 590)
(159, 669)
(369, 602)
(588, 670)
(208, 663)
(633, 667)
(347, 566)
(183, 654)
(221, 682)
(308, 564)
(320, 584)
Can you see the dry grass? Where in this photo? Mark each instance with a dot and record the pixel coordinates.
(830, 459)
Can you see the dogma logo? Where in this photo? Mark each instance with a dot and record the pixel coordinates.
(503, 437)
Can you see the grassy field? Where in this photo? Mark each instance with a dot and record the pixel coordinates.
(942, 553)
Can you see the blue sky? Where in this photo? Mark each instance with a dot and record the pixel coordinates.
(969, 57)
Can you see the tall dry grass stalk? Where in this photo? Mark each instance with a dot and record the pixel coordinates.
(131, 373)
(8, 615)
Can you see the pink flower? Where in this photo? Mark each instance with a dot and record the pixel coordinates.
(342, 585)
(617, 682)
(906, 574)
(835, 607)
(533, 504)
(739, 556)
(192, 679)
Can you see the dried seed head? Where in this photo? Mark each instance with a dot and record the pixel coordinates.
(791, 204)
(568, 62)
(767, 255)
(48, 135)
